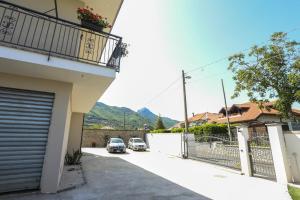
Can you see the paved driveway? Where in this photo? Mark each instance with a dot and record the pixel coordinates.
(148, 175)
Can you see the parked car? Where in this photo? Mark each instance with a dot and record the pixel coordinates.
(137, 144)
(116, 145)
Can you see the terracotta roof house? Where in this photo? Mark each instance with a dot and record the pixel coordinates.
(251, 113)
(246, 113)
(202, 118)
(198, 119)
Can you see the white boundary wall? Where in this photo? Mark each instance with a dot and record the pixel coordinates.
(292, 140)
(168, 143)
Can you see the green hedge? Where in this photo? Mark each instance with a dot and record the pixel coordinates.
(204, 130)
(161, 131)
(177, 130)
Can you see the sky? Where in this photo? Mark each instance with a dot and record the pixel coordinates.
(168, 36)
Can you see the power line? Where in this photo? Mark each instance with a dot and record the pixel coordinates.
(205, 77)
(226, 57)
(163, 91)
(209, 64)
(208, 76)
(263, 59)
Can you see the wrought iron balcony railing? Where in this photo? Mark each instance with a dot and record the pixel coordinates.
(31, 30)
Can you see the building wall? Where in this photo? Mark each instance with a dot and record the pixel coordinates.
(167, 143)
(59, 127)
(75, 132)
(98, 137)
(66, 8)
(292, 141)
(269, 118)
(65, 137)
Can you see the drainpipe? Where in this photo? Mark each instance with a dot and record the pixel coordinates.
(81, 132)
(56, 12)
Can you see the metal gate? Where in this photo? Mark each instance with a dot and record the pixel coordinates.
(24, 125)
(261, 156)
(215, 149)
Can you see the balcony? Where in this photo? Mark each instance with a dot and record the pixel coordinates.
(29, 30)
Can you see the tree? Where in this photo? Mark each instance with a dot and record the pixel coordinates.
(159, 123)
(271, 71)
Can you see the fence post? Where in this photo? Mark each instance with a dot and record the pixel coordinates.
(279, 153)
(243, 136)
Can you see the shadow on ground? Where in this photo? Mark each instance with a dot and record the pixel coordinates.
(111, 178)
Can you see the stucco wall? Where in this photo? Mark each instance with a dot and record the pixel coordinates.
(168, 143)
(269, 118)
(75, 132)
(66, 8)
(292, 140)
(99, 136)
(65, 137)
(59, 127)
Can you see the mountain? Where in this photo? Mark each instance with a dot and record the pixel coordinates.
(146, 113)
(103, 115)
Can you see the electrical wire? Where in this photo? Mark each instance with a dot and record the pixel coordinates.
(226, 57)
(162, 91)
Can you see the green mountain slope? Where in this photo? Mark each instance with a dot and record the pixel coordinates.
(146, 113)
(113, 116)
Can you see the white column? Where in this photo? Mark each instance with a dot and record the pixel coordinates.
(243, 136)
(279, 152)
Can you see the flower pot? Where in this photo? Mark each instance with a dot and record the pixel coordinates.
(91, 26)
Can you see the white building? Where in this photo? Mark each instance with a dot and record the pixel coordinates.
(52, 71)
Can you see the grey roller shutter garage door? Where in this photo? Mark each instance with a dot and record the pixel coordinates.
(24, 126)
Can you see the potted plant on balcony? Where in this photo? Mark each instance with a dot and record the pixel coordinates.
(91, 20)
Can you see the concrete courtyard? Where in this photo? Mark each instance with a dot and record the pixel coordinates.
(150, 175)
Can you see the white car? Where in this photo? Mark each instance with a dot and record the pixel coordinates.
(137, 144)
(116, 145)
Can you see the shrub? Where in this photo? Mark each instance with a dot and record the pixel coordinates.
(197, 130)
(206, 130)
(177, 130)
(73, 159)
(160, 131)
(203, 130)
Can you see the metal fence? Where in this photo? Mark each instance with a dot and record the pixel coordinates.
(28, 29)
(261, 158)
(216, 150)
(220, 150)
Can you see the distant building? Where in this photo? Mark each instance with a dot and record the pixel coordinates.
(250, 113)
(246, 113)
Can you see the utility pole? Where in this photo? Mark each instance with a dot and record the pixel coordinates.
(226, 111)
(186, 128)
(124, 121)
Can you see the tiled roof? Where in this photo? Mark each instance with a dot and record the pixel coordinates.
(251, 112)
(204, 116)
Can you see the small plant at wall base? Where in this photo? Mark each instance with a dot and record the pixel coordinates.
(73, 159)
(91, 20)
